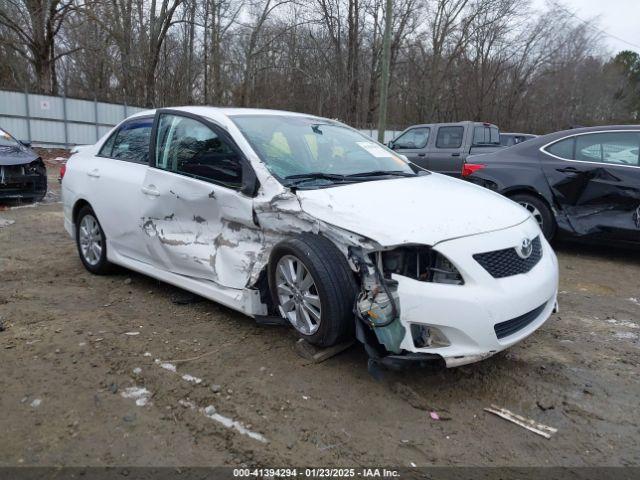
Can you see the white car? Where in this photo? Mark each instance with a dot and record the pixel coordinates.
(278, 214)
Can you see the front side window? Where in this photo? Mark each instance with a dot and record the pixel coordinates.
(130, 142)
(414, 138)
(189, 147)
(617, 148)
(449, 137)
(316, 151)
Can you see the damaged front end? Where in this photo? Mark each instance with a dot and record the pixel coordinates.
(23, 181)
(378, 307)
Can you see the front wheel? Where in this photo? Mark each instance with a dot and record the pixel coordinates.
(540, 212)
(91, 242)
(314, 288)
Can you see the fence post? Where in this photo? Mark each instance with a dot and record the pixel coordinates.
(95, 116)
(26, 104)
(64, 118)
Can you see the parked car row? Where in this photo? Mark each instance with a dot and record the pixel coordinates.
(580, 183)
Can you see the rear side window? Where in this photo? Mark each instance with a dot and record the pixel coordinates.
(449, 137)
(414, 138)
(130, 142)
(563, 148)
(189, 147)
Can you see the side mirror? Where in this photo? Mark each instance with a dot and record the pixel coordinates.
(250, 182)
(391, 145)
(25, 143)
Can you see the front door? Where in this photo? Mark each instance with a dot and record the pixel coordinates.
(412, 144)
(196, 221)
(595, 177)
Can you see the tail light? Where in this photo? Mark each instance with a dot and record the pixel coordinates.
(63, 170)
(470, 168)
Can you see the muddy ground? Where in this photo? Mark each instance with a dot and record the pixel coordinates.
(73, 344)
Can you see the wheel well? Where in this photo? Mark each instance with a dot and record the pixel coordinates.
(76, 209)
(526, 191)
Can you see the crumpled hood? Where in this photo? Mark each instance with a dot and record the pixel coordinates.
(16, 156)
(424, 210)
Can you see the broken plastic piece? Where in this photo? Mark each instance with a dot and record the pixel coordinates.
(531, 425)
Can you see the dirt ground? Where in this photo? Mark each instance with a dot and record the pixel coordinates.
(74, 345)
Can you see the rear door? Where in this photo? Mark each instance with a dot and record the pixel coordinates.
(595, 177)
(446, 155)
(114, 178)
(413, 144)
(195, 219)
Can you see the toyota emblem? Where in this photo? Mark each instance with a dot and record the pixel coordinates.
(526, 248)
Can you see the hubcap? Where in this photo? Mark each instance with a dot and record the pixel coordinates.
(535, 212)
(90, 239)
(298, 295)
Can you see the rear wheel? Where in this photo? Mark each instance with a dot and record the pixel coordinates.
(314, 288)
(91, 242)
(540, 212)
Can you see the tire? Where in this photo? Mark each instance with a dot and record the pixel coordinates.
(334, 286)
(540, 211)
(89, 234)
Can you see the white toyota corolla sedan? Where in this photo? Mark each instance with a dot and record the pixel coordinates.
(278, 214)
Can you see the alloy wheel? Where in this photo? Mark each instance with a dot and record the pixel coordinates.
(534, 212)
(298, 295)
(90, 239)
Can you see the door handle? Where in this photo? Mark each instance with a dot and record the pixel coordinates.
(568, 170)
(421, 154)
(455, 154)
(150, 190)
(95, 173)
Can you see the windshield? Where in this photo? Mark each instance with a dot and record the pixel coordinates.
(7, 140)
(317, 151)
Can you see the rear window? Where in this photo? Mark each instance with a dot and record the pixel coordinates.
(486, 135)
(449, 137)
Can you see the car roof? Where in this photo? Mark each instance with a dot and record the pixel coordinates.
(447, 124)
(577, 131)
(218, 112)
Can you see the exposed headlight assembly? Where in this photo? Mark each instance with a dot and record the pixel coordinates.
(420, 263)
(35, 167)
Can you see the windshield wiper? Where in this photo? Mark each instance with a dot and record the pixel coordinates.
(305, 177)
(382, 173)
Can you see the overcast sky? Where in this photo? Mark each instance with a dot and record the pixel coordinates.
(620, 18)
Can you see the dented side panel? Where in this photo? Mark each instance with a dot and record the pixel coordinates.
(199, 229)
(599, 200)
